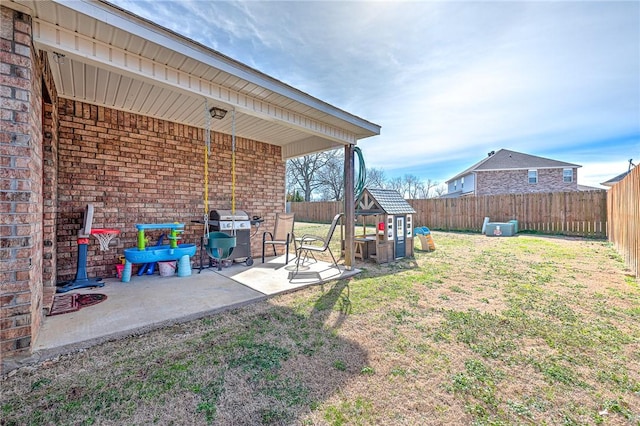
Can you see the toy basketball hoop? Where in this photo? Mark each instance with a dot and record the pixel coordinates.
(104, 236)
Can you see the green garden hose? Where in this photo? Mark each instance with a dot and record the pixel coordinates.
(359, 183)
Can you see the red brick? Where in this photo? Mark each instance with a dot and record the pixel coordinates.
(13, 59)
(14, 81)
(11, 311)
(134, 169)
(20, 73)
(22, 26)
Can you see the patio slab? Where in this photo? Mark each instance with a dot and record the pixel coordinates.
(273, 276)
(150, 301)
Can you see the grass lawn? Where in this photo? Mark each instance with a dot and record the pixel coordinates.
(528, 330)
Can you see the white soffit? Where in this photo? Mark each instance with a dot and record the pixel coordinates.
(115, 59)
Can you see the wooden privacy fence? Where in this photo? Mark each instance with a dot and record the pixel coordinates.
(316, 211)
(623, 206)
(568, 213)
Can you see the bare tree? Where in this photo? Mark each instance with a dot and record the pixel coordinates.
(428, 188)
(375, 178)
(440, 190)
(331, 177)
(396, 184)
(409, 186)
(322, 175)
(304, 172)
(413, 186)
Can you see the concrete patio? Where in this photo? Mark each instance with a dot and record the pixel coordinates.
(151, 301)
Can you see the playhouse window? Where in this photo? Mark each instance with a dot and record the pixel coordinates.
(567, 175)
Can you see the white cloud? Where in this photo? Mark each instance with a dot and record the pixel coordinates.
(448, 81)
(560, 77)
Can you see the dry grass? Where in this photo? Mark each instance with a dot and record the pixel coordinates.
(526, 330)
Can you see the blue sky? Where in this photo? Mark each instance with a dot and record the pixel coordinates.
(447, 81)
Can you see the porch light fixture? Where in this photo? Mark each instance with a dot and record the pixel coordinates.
(58, 58)
(217, 113)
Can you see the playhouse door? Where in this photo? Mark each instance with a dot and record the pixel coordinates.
(401, 232)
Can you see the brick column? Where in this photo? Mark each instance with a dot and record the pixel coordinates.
(21, 189)
(50, 126)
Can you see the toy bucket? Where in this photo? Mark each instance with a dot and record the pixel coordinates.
(167, 269)
(119, 269)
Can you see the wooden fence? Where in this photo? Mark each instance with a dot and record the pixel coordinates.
(567, 213)
(623, 207)
(316, 211)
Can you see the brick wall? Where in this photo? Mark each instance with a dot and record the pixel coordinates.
(49, 182)
(137, 169)
(21, 189)
(517, 182)
(57, 155)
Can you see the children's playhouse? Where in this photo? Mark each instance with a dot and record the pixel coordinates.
(386, 223)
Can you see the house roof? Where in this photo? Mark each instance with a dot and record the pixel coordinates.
(456, 194)
(616, 179)
(386, 201)
(104, 55)
(512, 160)
(589, 188)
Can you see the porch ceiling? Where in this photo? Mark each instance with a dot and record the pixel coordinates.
(116, 59)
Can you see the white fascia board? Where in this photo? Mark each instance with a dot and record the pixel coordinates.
(103, 55)
(458, 176)
(19, 7)
(112, 15)
(307, 146)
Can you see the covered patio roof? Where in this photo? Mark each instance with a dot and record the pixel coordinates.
(107, 56)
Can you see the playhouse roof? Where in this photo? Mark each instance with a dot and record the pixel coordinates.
(386, 201)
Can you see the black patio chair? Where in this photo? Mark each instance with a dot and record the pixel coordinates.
(310, 244)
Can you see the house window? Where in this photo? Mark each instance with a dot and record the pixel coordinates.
(567, 175)
(533, 176)
(461, 183)
(455, 184)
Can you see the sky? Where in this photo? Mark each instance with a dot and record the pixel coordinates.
(450, 81)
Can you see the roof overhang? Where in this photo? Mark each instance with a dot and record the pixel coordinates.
(104, 55)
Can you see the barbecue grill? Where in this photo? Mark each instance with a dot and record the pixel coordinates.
(227, 221)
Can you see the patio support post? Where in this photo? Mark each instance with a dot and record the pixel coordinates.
(349, 207)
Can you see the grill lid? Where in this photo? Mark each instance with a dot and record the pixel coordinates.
(223, 215)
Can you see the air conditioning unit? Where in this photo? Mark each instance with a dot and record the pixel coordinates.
(500, 229)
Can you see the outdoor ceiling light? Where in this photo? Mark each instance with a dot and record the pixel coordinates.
(217, 113)
(58, 58)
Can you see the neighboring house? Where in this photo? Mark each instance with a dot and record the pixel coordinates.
(618, 178)
(511, 172)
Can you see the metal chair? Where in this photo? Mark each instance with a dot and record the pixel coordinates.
(282, 235)
(312, 243)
